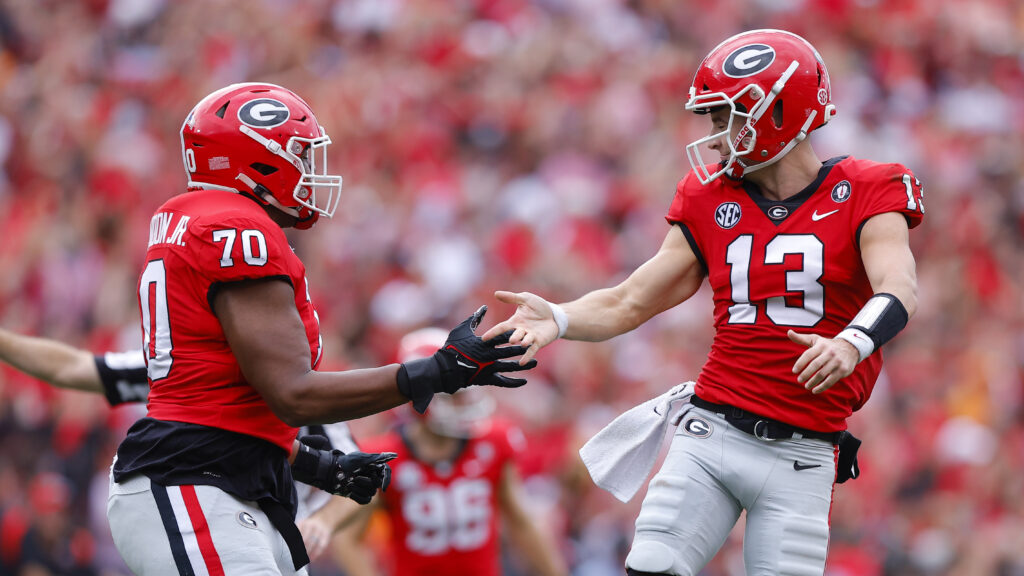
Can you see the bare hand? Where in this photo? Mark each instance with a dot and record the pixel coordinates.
(316, 535)
(532, 324)
(825, 362)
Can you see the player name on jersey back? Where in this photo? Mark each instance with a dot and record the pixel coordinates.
(161, 224)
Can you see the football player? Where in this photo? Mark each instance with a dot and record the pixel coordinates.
(812, 274)
(121, 378)
(231, 339)
(455, 482)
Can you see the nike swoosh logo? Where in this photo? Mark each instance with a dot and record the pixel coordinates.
(798, 466)
(817, 216)
(464, 365)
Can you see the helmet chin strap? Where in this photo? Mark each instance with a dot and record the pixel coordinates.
(792, 143)
(764, 106)
(261, 192)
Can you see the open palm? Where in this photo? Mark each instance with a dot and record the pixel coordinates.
(532, 324)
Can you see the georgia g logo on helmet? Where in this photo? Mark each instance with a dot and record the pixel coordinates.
(748, 60)
(263, 113)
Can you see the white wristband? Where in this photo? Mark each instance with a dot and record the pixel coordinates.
(561, 318)
(861, 341)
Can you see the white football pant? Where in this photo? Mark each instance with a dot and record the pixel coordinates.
(186, 530)
(714, 471)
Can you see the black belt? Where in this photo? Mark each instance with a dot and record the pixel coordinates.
(761, 427)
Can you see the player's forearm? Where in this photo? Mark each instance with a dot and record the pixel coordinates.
(353, 557)
(903, 285)
(331, 513)
(600, 315)
(325, 397)
(53, 362)
(667, 279)
(347, 549)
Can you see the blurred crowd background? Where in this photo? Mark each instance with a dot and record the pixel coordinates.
(521, 145)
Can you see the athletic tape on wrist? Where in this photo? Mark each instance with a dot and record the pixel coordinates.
(881, 318)
(561, 318)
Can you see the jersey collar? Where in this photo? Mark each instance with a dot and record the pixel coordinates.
(772, 208)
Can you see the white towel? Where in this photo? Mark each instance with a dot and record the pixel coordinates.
(620, 456)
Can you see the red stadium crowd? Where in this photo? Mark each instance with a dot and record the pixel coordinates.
(520, 144)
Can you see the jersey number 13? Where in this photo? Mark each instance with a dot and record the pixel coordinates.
(804, 280)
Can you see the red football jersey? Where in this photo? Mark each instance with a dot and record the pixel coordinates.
(444, 517)
(197, 242)
(791, 264)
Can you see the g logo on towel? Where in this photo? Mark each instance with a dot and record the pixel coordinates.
(697, 427)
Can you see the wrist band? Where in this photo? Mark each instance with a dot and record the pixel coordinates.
(881, 318)
(561, 318)
(860, 341)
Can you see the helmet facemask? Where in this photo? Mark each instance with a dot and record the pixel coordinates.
(316, 190)
(739, 146)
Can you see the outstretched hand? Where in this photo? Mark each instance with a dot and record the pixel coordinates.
(532, 324)
(825, 362)
(464, 360)
(467, 360)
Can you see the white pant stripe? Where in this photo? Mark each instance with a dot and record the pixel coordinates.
(188, 533)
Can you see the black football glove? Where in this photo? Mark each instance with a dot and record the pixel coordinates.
(356, 475)
(464, 360)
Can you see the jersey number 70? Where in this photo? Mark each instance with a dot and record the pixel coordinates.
(158, 343)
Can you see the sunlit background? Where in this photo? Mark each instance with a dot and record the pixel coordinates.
(521, 145)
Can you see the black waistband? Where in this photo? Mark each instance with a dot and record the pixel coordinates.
(759, 426)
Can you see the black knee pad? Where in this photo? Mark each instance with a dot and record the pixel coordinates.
(631, 572)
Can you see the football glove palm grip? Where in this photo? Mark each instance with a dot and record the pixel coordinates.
(464, 360)
(356, 475)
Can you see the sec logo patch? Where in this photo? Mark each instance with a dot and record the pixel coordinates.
(698, 427)
(728, 214)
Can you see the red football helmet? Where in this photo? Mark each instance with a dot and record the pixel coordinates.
(464, 414)
(775, 83)
(264, 140)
